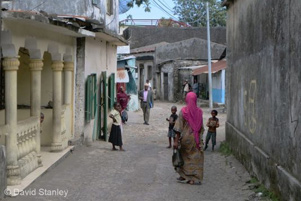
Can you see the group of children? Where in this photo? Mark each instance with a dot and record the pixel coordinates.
(116, 129)
(212, 124)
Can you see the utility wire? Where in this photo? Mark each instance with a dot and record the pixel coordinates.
(162, 9)
(164, 4)
(38, 5)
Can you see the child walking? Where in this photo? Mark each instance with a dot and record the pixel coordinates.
(115, 134)
(172, 119)
(212, 123)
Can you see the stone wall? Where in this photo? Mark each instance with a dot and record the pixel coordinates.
(176, 77)
(143, 36)
(191, 49)
(172, 78)
(79, 95)
(71, 7)
(2, 171)
(263, 87)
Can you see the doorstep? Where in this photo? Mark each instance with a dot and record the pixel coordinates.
(49, 160)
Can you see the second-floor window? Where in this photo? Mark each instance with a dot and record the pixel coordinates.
(110, 7)
(96, 3)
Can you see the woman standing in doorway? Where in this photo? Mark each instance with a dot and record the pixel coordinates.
(189, 131)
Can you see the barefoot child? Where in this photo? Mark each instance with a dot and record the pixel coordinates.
(172, 119)
(115, 134)
(212, 123)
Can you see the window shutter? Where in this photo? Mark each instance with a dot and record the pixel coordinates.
(87, 97)
(94, 76)
(95, 2)
(112, 90)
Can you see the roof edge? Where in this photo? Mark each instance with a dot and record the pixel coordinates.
(227, 3)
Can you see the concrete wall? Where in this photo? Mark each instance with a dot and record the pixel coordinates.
(264, 91)
(148, 73)
(172, 76)
(143, 36)
(86, 8)
(191, 49)
(2, 171)
(94, 56)
(79, 89)
(21, 31)
(176, 78)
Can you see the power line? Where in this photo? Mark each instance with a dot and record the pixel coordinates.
(162, 9)
(38, 5)
(164, 4)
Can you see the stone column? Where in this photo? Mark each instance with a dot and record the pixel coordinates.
(57, 67)
(68, 68)
(36, 66)
(11, 66)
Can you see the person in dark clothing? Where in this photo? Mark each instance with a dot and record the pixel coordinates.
(212, 123)
(172, 120)
(115, 134)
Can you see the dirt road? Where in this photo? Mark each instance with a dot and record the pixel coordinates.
(144, 171)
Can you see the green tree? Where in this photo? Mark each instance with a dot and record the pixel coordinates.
(194, 13)
(146, 4)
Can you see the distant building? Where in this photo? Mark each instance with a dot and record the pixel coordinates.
(168, 55)
(176, 62)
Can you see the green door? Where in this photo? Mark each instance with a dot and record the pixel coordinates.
(99, 105)
(111, 88)
(104, 104)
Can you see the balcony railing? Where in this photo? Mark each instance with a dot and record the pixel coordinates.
(26, 141)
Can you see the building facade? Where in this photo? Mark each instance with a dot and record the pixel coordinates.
(263, 87)
(49, 59)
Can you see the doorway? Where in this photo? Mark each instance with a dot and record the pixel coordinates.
(165, 86)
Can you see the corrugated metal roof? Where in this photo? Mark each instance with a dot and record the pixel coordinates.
(215, 67)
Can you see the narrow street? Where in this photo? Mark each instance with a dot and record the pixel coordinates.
(143, 172)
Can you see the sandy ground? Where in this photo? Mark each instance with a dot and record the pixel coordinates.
(143, 172)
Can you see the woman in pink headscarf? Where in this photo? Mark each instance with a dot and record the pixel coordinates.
(189, 131)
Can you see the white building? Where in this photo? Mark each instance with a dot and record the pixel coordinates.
(54, 62)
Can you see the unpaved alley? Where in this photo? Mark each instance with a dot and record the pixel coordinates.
(143, 172)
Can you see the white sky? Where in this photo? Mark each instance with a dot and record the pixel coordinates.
(156, 13)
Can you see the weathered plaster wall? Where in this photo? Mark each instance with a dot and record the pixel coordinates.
(67, 7)
(264, 91)
(148, 66)
(112, 21)
(72, 7)
(176, 78)
(94, 56)
(172, 76)
(44, 38)
(143, 36)
(79, 94)
(191, 49)
(2, 171)
(95, 62)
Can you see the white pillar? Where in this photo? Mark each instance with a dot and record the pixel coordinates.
(11, 66)
(68, 71)
(36, 66)
(57, 67)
